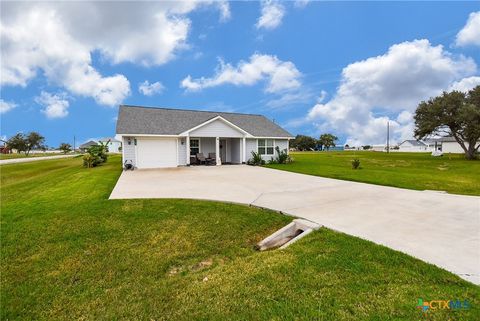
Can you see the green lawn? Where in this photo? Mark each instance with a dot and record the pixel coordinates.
(420, 171)
(68, 253)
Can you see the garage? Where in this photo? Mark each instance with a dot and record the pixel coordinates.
(157, 152)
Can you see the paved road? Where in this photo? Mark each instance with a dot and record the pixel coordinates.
(32, 159)
(438, 228)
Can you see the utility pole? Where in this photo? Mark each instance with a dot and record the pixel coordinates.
(388, 137)
(74, 143)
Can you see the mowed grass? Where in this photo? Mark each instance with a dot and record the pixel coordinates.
(420, 171)
(69, 253)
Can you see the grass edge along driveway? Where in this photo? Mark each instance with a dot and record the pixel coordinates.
(419, 171)
(70, 253)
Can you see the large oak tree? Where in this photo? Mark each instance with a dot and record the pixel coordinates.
(455, 114)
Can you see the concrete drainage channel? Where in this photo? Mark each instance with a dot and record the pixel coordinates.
(287, 235)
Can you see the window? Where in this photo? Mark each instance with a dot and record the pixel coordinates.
(265, 146)
(194, 146)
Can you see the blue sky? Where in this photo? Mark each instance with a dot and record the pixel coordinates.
(340, 67)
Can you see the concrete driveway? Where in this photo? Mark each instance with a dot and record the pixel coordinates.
(438, 228)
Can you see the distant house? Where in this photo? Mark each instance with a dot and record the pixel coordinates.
(114, 145)
(413, 146)
(450, 145)
(83, 148)
(5, 150)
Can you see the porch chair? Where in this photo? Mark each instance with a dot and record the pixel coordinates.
(201, 159)
(212, 158)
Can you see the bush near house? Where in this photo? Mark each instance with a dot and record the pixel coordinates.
(96, 155)
(256, 159)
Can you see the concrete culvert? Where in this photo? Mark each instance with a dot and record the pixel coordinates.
(287, 235)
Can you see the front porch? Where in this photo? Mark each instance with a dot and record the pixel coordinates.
(215, 150)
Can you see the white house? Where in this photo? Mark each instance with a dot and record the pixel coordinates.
(114, 145)
(164, 137)
(415, 146)
(450, 145)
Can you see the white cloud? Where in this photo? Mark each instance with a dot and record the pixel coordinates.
(55, 105)
(393, 83)
(465, 84)
(150, 89)
(6, 106)
(470, 34)
(224, 8)
(56, 39)
(301, 3)
(280, 75)
(272, 15)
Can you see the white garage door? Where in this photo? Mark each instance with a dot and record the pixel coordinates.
(155, 153)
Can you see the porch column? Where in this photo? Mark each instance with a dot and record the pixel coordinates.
(187, 147)
(244, 150)
(217, 151)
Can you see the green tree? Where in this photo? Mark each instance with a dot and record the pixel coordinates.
(455, 114)
(327, 140)
(34, 140)
(65, 147)
(18, 142)
(302, 142)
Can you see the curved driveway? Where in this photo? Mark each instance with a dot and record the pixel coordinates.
(439, 228)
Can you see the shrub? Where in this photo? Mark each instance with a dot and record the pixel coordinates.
(282, 157)
(96, 155)
(356, 163)
(90, 161)
(256, 159)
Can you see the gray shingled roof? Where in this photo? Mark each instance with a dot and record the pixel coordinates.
(167, 121)
(88, 144)
(414, 142)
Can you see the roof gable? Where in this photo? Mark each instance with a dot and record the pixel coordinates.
(137, 120)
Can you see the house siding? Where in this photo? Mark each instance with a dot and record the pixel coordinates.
(182, 151)
(129, 150)
(207, 145)
(252, 146)
(235, 152)
(217, 128)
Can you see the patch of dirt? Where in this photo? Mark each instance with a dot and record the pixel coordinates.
(202, 265)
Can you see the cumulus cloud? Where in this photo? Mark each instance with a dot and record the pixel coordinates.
(393, 83)
(6, 106)
(150, 89)
(280, 75)
(465, 84)
(54, 38)
(272, 13)
(54, 105)
(470, 34)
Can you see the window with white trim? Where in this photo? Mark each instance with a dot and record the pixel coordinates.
(194, 146)
(265, 146)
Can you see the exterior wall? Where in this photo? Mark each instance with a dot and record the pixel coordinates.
(113, 147)
(252, 145)
(407, 147)
(452, 147)
(207, 145)
(128, 151)
(182, 151)
(234, 150)
(282, 144)
(217, 128)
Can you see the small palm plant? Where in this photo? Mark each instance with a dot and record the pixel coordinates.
(356, 163)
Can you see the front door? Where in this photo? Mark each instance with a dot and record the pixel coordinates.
(223, 150)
